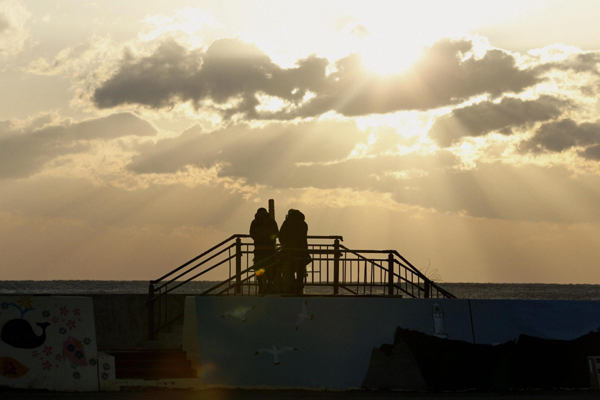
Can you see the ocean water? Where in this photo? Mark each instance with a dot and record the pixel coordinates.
(537, 291)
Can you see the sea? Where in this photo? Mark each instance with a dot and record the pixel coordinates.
(533, 291)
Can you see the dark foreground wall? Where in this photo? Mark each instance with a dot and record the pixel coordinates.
(387, 343)
(122, 319)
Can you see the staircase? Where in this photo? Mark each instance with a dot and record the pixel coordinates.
(160, 363)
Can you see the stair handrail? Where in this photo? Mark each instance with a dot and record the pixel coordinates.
(194, 259)
(431, 282)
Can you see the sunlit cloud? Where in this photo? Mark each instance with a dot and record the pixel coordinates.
(13, 27)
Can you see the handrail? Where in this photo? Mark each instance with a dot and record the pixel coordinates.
(189, 279)
(197, 265)
(227, 240)
(192, 260)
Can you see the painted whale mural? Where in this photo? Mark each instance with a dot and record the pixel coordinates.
(19, 333)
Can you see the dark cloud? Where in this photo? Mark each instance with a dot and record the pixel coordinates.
(591, 153)
(24, 152)
(228, 70)
(439, 78)
(562, 135)
(485, 117)
(232, 70)
(578, 62)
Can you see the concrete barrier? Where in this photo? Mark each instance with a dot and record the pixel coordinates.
(48, 342)
(408, 344)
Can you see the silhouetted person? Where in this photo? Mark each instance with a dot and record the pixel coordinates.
(294, 241)
(264, 231)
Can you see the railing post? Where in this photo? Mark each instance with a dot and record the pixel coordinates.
(151, 312)
(427, 287)
(390, 274)
(286, 285)
(238, 266)
(336, 266)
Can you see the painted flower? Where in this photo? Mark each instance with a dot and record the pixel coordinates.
(104, 375)
(93, 361)
(46, 365)
(4, 305)
(47, 350)
(76, 375)
(106, 366)
(74, 352)
(25, 302)
(58, 357)
(76, 311)
(55, 320)
(71, 324)
(45, 313)
(64, 310)
(62, 330)
(87, 340)
(35, 353)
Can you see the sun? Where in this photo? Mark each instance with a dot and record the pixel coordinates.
(383, 58)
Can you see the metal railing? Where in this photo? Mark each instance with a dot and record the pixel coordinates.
(334, 269)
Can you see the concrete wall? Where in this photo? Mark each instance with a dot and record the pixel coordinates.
(122, 319)
(410, 344)
(48, 342)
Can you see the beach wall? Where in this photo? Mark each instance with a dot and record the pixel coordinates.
(122, 319)
(386, 343)
(48, 342)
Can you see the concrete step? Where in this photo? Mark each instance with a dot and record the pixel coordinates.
(147, 354)
(151, 364)
(154, 374)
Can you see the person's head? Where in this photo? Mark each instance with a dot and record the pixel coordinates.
(262, 213)
(295, 214)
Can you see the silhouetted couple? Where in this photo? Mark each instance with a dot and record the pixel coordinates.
(283, 272)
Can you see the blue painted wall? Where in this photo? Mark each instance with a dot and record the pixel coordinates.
(336, 347)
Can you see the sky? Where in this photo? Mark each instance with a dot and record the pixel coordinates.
(465, 135)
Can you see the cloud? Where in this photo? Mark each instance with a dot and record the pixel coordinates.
(485, 117)
(24, 151)
(563, 135)
(319, 154)
(330, 155)
(228, 70)
(4, 23)
(234, 74)
(251, 153)
(13, 32)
